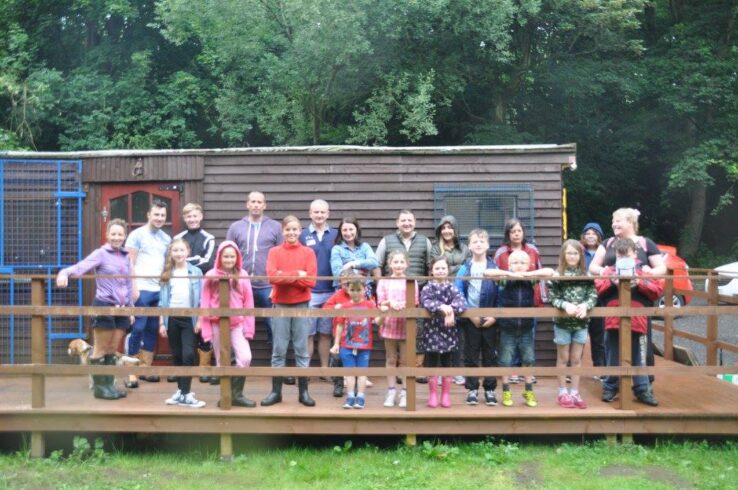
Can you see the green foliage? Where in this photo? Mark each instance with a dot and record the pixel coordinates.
(439, 451)
(646, 88)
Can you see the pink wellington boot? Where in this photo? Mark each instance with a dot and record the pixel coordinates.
(433, 391)
(446, 391)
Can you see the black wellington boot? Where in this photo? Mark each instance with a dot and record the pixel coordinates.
(276, 395)
(304, 396)
(111, 361)
(237, 397)
(100, 387)
(338, 386)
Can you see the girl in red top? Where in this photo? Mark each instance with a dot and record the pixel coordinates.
(291, 268)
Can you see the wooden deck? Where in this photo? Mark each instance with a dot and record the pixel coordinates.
(688, 405)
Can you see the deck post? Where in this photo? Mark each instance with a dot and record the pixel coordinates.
(38, 445)
(411, 440)
(38, 343)
(712, 321)
(669, 319)
(38, 356)
(626, 382)
(410, 354)
(224, 329)
(226, 447)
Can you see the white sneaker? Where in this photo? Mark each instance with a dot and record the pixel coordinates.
(389, 401)
(189, 400)
(403, 399)
(459, 380)
(174, 399)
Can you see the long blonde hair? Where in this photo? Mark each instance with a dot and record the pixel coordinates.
(169, 264)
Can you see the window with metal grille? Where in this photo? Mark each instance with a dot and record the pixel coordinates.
(486, 207)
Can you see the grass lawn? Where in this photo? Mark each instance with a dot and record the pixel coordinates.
(486, 464)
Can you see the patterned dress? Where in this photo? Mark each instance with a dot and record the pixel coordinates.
(394, 290)
(436, 337)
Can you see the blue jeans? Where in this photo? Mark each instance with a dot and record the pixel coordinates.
(641, 384)
(517, 340)
(262, 300)
(144, 327)
(360, 359)
(320, 325)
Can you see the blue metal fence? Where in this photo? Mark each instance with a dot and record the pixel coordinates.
(40, 233)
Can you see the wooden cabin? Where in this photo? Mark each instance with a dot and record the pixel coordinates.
(481, 185)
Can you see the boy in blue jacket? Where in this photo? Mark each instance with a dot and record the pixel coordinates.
(480, 333)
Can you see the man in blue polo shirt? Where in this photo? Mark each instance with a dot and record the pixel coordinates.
(320, 237)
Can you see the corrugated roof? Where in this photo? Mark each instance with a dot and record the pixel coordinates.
(326, 149)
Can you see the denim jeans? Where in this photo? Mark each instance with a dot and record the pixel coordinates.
(144, 327)
(641, 384)
(262, 300)
(517, 340)
(286, 329)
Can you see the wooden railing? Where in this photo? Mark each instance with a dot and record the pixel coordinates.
(39, 311)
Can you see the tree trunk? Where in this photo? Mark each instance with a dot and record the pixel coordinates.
(692, 234)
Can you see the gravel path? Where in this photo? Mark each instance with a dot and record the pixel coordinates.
(727, 332)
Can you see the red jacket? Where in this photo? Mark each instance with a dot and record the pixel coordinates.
(644, 294)
(284, 261)
(338, 298)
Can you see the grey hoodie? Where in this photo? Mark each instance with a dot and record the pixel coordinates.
(460, 252)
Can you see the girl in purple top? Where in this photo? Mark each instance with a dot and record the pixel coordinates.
(110, 259)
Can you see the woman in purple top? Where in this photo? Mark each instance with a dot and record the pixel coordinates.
(110, 260)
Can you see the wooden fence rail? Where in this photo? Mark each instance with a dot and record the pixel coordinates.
(39, 370)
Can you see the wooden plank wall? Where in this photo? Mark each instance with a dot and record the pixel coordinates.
(373, 187)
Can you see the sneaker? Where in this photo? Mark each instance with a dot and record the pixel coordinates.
(490, 398)
(359, 403)
(389, 401)
(440, 380)
(530, 398)
(568, 379)
(174, 399)
(189, 400)
(608, 395)
(514, 379)
(565, 400)
(471, 397)
(507, 398)
(349, 403)
(422, 380)
(578, 401)
(403, 399)
(647, 398)
(459, 380)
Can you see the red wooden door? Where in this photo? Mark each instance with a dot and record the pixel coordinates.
(131, 202)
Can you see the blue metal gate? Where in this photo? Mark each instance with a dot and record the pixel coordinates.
(41, 232)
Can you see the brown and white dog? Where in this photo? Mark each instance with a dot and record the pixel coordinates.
(83, 350)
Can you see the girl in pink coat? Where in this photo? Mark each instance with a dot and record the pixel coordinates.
(228, 263)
